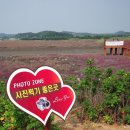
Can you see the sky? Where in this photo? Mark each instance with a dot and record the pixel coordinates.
(92, 16)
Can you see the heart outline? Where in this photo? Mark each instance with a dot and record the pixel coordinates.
(35, 73)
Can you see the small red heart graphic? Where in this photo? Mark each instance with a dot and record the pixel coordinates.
(40, 93)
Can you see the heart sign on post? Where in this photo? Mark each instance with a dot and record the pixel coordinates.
(40, 93)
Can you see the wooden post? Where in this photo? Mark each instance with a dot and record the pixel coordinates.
(129, 52)
(111, 51)
(48, 125)
(122, 51)
(116, 51)
(105, 53)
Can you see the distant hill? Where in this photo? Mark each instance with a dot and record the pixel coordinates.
(122, 33)
(79, 33)
(2, 35)
(44, 35)
(53, 35)
(119, 33)
(6, 36)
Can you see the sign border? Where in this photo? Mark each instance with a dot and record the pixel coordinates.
(35, 73)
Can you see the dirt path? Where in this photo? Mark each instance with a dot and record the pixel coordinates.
(41, 48)
(42, 52)
(72, 123)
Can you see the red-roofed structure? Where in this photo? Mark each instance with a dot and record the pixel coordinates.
(117, 48)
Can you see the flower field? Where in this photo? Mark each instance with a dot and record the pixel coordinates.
(66, 65)
(69, 58)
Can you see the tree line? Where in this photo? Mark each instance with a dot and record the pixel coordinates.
(53, 35)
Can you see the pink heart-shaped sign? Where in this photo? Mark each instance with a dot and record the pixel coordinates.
(40, 93)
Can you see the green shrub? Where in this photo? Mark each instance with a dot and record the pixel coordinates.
(92, 113)
(104, 94)
(108, 119)
(127, 119)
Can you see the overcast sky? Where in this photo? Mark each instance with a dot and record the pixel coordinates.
(93, 16)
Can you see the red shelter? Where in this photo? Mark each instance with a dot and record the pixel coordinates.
(117, 48)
